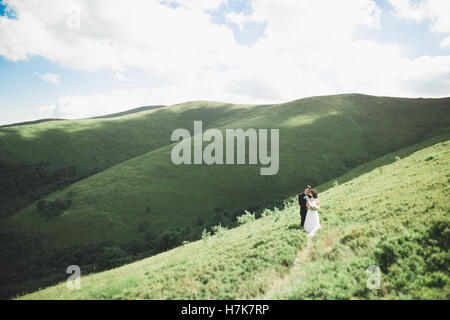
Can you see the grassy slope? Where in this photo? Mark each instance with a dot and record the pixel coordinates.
(89, 145)
(92, 145)
(99, 143)
(320, 138)
(382, 161)
(395, 217)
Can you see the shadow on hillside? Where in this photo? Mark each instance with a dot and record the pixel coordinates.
(295, 226)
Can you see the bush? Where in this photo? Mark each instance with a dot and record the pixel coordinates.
(266, 213)
(246, 217)
(205, 235)
(219, 230)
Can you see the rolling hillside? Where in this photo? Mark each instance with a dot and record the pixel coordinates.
(110, 205)
(37, 159)
(140, 203)
(395, 217)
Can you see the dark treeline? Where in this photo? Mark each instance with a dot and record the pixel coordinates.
(21, 185)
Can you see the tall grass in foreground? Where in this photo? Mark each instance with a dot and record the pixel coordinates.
(395, 218)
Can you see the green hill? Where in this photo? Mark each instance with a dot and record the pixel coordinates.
(127, 112)
(394, 217)
(140, 203)
(321, 138)
(37, 159)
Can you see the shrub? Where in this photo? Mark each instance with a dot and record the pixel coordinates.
(205, 235)
(219, 230)
(266, 213)
(246, 217)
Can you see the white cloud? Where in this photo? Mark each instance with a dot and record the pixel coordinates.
(100, 104)
(49, 77)
(122, 77)
(42, 112)
(429, 75)
(75, 107)
(445, 43)
(437, 11)
(238, 18)
(308, 49)
(46, 111)
(115, 34)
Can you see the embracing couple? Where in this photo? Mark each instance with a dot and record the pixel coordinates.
(309, 205)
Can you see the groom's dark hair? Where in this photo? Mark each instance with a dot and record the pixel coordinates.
(308, 187)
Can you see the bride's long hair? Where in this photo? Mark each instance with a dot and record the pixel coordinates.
(314, 194)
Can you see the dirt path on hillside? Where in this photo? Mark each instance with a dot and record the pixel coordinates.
(303, 255)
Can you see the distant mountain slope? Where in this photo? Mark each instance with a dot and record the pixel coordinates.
(43, 157)
(112, 115)
(394, 218)
(127, 112)
(27, 123)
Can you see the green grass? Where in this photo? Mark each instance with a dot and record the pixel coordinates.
(238, 263)
(88, 146)
(382, 161)
(395, 217)
(133, 192)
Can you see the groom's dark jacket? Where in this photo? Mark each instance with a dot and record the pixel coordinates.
(302, 198)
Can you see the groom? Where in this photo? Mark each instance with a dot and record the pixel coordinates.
(302, 199)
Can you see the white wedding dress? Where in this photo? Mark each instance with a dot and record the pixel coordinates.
(312, 222)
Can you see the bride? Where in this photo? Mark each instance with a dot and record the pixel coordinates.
(312, 223)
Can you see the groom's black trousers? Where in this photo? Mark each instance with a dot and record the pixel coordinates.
(303, 215)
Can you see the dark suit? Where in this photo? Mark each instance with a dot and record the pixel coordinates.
(302, 198)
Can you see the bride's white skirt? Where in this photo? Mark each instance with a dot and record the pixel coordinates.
(312, 223)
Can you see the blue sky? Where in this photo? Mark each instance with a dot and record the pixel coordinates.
(231, 63)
